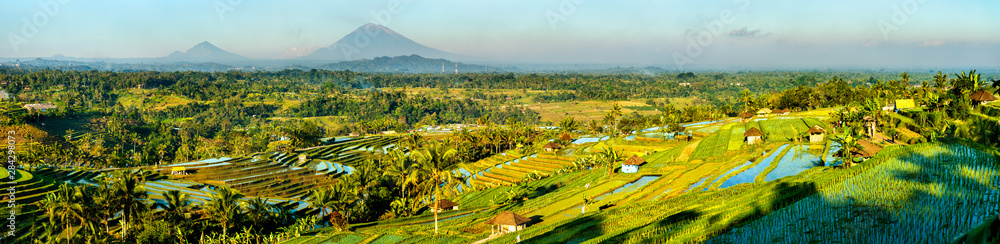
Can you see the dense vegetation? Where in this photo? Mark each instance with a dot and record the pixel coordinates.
(146, 118)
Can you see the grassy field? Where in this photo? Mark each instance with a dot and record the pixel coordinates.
(586, 111)
(677, 196)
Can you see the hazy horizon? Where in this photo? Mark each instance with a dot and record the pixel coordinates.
(673, 33)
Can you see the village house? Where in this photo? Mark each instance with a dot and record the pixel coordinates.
(631, 165)
(551, 147)
(816, 134)
(507, 222)
(745, 117)
(753, 136)
(444, 205)
(982, 97)
(764, 112)
(903, 104)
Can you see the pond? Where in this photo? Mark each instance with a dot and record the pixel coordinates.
(830, 154)
(700, 123)
(583, 140)
(796, 160)
(749, 175)
(697, 184)
(213, 160)
(630, 187)
(727, 173)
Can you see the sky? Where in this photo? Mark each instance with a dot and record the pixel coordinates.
(668, 33)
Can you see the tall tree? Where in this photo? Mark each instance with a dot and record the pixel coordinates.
(224, 208)
(437, 160)
(131, 195)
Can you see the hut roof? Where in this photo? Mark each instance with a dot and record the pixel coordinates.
(565, 137)
(781, 110)
(816, 129)
(753, 131)
(868, 118)
(764, 111)
(746, 115)
(634, 160)
(905, 104)
(552, 145)
(508, 218)
(445, 203)
(982, 96)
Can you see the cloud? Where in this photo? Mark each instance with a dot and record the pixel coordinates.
(934, 43)
(870, 43)
(747, 33)
(295, 52)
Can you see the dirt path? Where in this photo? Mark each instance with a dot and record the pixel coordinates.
(486, 239)
(686, 154)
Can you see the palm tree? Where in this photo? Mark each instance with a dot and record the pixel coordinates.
(342, 199)
(568, 124)
(68, 208)
(436, 159)
(177, 204)
(130, 195)
(320, 198)
(259, 212)
(224, 208)
(611, 157)
(613, 115)
(400, 167)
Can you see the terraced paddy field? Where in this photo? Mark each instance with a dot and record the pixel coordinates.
(282, 175)
(716, 189)
(510, 168)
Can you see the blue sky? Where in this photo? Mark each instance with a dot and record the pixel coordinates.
(755, 32)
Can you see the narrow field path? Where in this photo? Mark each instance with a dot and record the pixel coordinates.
(686, 154)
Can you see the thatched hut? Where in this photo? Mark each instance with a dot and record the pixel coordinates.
(745, 117)
(764, 112)
(551, 147)
(631, 165)
(816, 133)
(444, 205)
(753, 136)
(982, 97)
(507, 222)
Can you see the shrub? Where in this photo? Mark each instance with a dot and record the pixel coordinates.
(154, 233)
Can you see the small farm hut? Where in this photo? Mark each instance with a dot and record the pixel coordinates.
(445, 205)
(745, 117)
(753, 136)
(507, 222)
(816, 133)
(764, 112)
(982, 97)
(631, 165)
(551, 147)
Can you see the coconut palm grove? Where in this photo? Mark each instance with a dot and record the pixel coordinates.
(489, 121)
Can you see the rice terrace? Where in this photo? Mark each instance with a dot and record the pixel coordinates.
(592, 122)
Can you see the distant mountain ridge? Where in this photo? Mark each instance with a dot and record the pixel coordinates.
(408, 64)
(373, 40)
(203, 52)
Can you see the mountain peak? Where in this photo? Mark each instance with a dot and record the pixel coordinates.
(205, 44)
(374, 40)
(204, 52)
